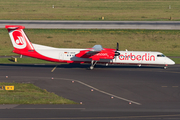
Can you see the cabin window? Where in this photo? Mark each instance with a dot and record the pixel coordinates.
(160, 55)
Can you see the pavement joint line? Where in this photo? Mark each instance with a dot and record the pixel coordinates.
(94, 118)
(121, 98)
(172, 72)
(52, 108)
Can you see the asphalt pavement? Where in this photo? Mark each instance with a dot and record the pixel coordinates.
(112, 92)
(52, 24)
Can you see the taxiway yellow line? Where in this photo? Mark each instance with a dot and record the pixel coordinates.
(54, 68)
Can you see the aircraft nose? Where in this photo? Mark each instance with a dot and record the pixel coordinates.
(170, 62)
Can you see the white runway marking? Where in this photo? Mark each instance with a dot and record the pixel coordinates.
(121, 98)
(101, 91)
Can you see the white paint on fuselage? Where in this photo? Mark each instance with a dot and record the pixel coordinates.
(59, 53)
(126, 57)
(142, 57)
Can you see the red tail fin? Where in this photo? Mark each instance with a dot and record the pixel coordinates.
(19, 39)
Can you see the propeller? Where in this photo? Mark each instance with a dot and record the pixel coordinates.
(116, 53)
(117, 47)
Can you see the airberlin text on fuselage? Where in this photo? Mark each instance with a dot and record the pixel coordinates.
(145, 57)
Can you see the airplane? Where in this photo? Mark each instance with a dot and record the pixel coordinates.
(94, 55)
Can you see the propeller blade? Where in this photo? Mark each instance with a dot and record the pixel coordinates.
(117, 47)
(116, 53)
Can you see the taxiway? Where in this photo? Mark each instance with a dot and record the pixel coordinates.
(45, 24)
(112, 92)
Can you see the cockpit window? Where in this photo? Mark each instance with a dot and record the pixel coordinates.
(160, 55)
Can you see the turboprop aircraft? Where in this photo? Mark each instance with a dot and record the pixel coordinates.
(94, 55)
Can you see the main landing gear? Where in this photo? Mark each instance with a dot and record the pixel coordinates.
(93, 63)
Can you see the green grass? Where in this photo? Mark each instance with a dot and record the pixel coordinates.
(24, 61)
(32, 60)
(165, 41)
(176, 60)
(29, 94)
(89, 9)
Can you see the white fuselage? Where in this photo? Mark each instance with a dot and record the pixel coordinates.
(125, 57)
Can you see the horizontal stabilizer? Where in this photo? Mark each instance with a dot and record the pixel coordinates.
(14, 27)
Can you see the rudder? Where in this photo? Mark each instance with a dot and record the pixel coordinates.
(19, 39)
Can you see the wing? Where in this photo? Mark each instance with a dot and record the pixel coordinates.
(97, 52)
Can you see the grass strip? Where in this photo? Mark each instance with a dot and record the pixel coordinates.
(165, 41)
(144, 10)
(29, 94)
(25, 60)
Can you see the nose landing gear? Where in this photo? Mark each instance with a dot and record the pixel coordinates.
(165, 67)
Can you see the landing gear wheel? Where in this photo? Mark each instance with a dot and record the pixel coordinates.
(91, 67)
(165, 67)
(107, 64)
(93, 63)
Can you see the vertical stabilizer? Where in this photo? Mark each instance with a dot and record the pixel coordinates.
(19, 39)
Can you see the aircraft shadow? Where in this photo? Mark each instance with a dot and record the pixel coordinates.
(76, 65)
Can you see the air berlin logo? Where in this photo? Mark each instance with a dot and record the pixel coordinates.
(144, 57)
(19, 39)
